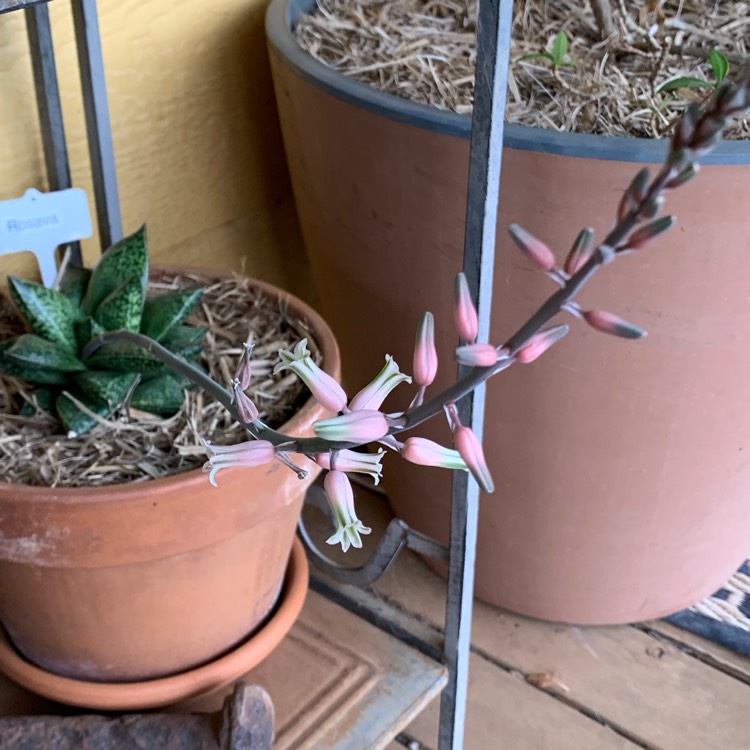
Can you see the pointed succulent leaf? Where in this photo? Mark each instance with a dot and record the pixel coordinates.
(73, 283)
(123, 308)
(30, 373)
(162, 314)
(122, 356)
(87, 329)
(43, 400)
(128, 257)
(75, 420)
(50, 313)
(186, 340)
(160, 395)
(32, 350)
(110, 387)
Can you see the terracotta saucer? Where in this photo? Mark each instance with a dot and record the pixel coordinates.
(128, 696)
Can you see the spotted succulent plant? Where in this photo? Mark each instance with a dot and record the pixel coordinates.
(61, 322)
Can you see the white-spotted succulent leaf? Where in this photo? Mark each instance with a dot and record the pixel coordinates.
(111, 297)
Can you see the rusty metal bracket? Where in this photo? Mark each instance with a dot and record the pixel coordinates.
(398, 535)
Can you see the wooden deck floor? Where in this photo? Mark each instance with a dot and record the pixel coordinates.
(539, 686)
(542, 686)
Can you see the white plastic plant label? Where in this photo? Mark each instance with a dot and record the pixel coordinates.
(41, 222)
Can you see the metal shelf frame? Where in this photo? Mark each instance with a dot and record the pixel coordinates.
(493, 50)
(487, 130)
(95, 105)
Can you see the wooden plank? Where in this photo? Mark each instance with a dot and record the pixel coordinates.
(651, 691)
(720, 657)
(339, 683)
(501, 703)
(342, 684)
(506, 713)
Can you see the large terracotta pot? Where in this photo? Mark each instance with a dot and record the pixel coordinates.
(622, 474)
(145, 580)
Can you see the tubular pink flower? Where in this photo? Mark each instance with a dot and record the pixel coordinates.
(341, 501)
(607, 322)
(425, 452)
(373, 395)
(477, 355)
(464, 313)
(470, 449)
(425, 356)
(533, 248)
(325, 389)
(355, 427)
(354, 462)
(539, 343)
(249, 453)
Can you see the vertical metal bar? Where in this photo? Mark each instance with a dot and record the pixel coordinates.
(49, 105)
(493, 53)
(101, 151)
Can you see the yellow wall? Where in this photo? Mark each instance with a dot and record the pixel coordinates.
(195, 131)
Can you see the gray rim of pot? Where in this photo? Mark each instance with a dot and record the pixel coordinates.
(283, 14)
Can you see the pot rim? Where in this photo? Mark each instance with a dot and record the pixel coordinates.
(135, 490)
(283, 14)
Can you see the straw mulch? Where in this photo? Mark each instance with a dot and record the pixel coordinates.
(134, 446)
(425, 50)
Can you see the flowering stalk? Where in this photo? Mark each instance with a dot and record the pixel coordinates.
(637, 224)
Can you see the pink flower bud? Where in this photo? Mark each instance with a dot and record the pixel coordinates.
(242, 376)
(539, 343)
(470, 449)
(246, 408)
(582, 250)
(477, 355)
(425, 452)
(606, 322)
(685, 176)
(355, 427)
(425, 355)
(249, 453)
(653, 229)
(464, 313)
(533, 248)
(341, 501)
(323, 387)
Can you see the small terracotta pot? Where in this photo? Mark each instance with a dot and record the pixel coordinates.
(621, 468)
(137, 581)
(206, 679)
